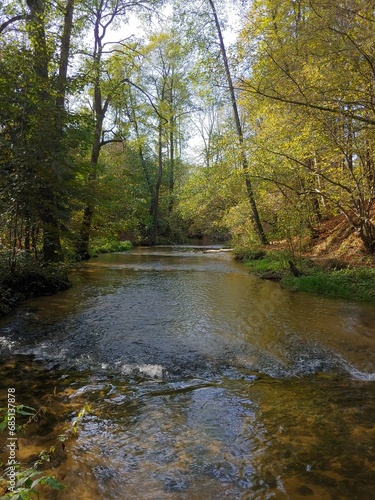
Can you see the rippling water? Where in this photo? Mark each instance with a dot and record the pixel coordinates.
(204, 382)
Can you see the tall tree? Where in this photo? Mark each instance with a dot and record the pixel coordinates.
(155, 105)
(36, 143)
(257, 222)
(103, 15)
(313, 61)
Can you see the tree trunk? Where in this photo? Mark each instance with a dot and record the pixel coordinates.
(171, 169)
(84, 234)
(64, 56)
(52, 251)
(100, 110)
(88, 213)
(256, 219)
(367, 230)
(158, 184)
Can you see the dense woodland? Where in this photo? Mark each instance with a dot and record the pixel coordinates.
(155, 121)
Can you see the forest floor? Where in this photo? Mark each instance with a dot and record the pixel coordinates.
(335, 244)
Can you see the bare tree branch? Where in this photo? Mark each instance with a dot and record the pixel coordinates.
(12, 20)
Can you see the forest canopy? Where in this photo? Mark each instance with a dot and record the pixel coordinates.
(157, 121)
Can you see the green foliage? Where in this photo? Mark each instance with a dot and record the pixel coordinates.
(334, 281)
(246, 253)
(307, 110)
(18, 410)
(76, 421)
(271, 262)
(27, 479)
(355, 284)
(313, 130)
(210, 201)
(102, 245)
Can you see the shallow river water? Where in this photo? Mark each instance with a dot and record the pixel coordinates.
(204, 382)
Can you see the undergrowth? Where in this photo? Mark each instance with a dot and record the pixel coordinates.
(274, 262)
(349, 283)
(27, 277)
(103, 245)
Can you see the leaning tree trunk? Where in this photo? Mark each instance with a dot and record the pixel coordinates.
(250, 193)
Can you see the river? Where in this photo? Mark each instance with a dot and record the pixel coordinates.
(204, 382)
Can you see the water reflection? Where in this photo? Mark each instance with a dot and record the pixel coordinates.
(184, 312)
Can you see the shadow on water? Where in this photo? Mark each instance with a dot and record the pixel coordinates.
(204, 382)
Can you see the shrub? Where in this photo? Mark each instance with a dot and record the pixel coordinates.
(246, 253)
(108, 246)
(29, 278)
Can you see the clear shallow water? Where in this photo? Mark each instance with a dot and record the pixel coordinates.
(204, 381)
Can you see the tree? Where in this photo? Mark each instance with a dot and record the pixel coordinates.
(103, 14)
(34, 149)
(257, 222)
(312, 62)
(166, 56)
(156, 97)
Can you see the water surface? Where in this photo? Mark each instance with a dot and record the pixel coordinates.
(204, 382)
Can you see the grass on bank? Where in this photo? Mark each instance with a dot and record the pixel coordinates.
(356, 284)
(350, 283)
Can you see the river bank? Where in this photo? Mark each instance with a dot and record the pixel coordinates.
(330, 277)
(333, 263)
(24, 277)
(30, 279)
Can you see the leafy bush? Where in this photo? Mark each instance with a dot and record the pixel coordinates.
(246, 253)
(108, 246)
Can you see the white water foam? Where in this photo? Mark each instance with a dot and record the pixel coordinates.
(152, 371)
(358, 375)
(5, 343)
